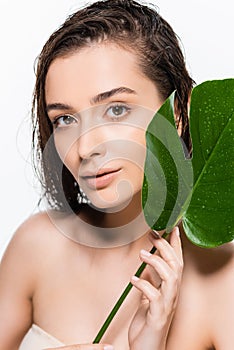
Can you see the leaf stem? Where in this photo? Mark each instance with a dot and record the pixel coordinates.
(119, 302)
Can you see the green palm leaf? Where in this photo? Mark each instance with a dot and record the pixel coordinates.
(199, 191)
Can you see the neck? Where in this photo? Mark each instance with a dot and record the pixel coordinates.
(113, 217)
(107, 229)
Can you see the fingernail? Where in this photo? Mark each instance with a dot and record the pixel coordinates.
(155, 234)
(145, 253)
(135, 278)
(108, 347)
(177, 231)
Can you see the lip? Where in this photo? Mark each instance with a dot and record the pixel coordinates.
(101, 179)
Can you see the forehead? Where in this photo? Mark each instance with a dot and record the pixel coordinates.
(92, 69)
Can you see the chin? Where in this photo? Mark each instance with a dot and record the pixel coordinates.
(113, 202)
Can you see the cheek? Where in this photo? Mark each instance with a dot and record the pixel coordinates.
(137, 154)
(135, 147)
(126, 144)
(130, 150)
(66, 147)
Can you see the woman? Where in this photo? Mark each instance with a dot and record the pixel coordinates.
(100, 78)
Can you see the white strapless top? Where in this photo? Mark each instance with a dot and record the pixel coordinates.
(38, 339)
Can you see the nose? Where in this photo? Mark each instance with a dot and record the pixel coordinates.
(91, 143)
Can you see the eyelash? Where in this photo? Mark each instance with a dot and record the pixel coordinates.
(56, 120)
(113, 118)
(116, 117)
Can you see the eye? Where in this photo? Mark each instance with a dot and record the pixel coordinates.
(117, 111)
(64, 121)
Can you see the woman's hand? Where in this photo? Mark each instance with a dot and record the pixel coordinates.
(84, 347)
(152, 320)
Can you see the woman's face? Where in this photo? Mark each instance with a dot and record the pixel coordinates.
(100, 104)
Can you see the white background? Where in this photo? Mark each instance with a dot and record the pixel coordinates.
(205, 29)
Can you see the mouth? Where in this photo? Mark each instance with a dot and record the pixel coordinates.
(101, 179)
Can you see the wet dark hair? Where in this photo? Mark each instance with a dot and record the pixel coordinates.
(132, 25)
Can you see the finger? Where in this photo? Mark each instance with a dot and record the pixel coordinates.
(170, 279)
(166, 251)
(157, 263)
(175, 242)
(85, 347)
(149, 291)
(151, 294)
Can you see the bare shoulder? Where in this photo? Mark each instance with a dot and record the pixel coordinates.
(35, 225)
(30, 244)
(18, 263)
(34, 232)
(221, 302)
(213, 272)
(23, 262)
(208, 262)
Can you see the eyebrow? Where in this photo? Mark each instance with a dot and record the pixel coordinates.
(58, 106)
(96, 99)
(107, 94)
